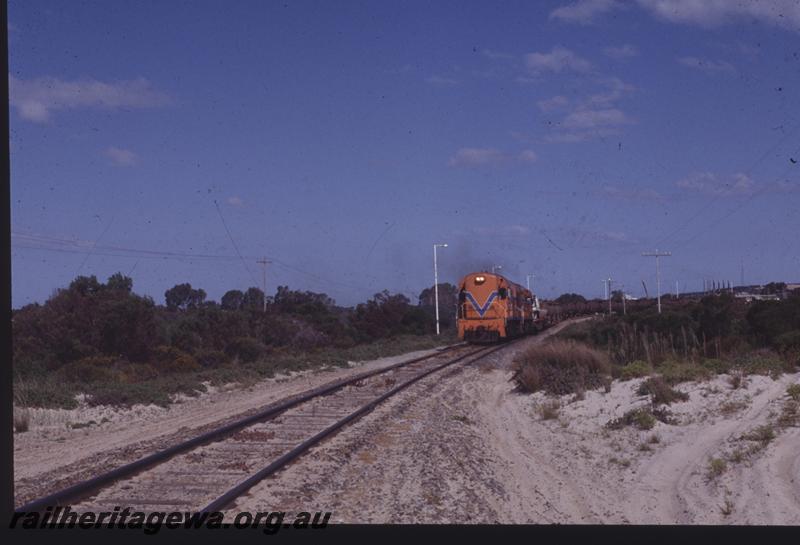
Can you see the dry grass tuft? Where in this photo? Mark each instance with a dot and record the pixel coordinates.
(549, 410)
(731, 407)
(561, 367)
(660, 391)
(716, 467)
(22, 420)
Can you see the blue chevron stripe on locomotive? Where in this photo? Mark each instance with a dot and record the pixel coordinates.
(481, 310)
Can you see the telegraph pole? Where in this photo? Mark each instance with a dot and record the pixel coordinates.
(436, 283)
(624, 311)
(608, 296)
(263, 262)
(657, 254)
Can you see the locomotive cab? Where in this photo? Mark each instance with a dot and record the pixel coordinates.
(492, 308)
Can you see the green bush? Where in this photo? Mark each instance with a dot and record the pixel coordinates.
(716, 366)
(676, 372)
(763, 362)
(246, 349)
(90, 370)
(788, 340)
(641, 418)
(635, 369)
(46, 392)
(660, 391)
(560, 367)
(211, 358)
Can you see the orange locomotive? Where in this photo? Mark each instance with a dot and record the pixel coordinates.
(491, 308)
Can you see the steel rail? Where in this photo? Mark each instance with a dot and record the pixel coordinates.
(296, 452)
(83, 488)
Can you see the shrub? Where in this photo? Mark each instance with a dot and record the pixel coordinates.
(763, 362)
(182, 364)
(716, 467)
(172, 360)
(138, 372)
(730, 407)
(677, 372)
(642, 418)
(790, 414)
(90, 370)
(660, 391)
(560, 367)
(22, 420)
(789, 340)
(736, 379)
(128, 394)
(549, 409)
(716, 366)
(635, 369)
(793, 391)
(762, 434)
(245, 349)
(211, 358)
(47, 392)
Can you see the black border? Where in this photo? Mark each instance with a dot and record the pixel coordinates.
(586, 534)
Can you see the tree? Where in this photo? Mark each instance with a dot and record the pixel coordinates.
(85, 285)
(570, 298)
(232, 300)
(386, 314)
(253, 299)
(774, 288)
(448, 303)
(182, 296)
(118, 281)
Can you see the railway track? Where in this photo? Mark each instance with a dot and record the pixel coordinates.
(208, 472)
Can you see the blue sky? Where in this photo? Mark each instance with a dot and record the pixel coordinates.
(341, 140)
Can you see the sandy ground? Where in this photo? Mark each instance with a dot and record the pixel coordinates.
(462, 447)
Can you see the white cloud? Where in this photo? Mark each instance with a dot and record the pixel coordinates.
(36, 99)
(592, 119)
(631, 194)
(503, 230)
(235, 201)
(472, 157)
(711, 184)
(441, 81)
(121, 157)
(595, 116)
(572, 137)
(708, 66)
(480, 157)
(621, 52)
(584, 12)
(708, 13)
(616, 89)
(496, 55)
(560, 59)
(553, 103)
(783, 13)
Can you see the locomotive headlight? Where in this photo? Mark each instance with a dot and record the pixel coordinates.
(480, 279)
